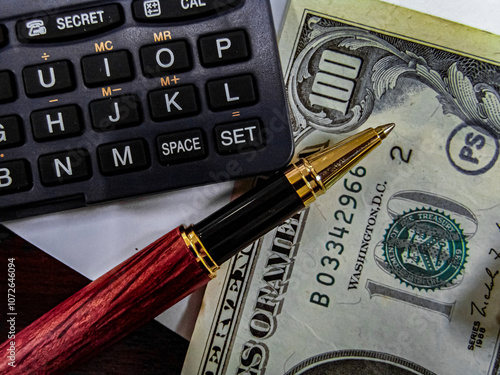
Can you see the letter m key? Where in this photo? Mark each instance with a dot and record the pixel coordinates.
(334, 83)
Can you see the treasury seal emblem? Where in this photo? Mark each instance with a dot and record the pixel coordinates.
(425, 248)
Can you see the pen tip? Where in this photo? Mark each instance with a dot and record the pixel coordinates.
(384, 130)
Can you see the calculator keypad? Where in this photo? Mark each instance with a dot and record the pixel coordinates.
(125, 98)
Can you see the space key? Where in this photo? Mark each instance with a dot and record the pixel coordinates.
(70, 25)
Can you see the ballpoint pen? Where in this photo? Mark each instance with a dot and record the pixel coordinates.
(178, 263)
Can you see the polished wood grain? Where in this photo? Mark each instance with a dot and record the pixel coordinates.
(107, 309)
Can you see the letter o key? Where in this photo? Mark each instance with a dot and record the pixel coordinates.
(158, 60)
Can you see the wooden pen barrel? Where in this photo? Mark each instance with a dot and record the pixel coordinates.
(109, 308)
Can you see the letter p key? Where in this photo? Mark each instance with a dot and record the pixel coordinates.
(222, 44)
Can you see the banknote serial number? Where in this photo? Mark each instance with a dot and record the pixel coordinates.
(344, 217)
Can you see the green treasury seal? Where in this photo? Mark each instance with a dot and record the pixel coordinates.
(426, 249)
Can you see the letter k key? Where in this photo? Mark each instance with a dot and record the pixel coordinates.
(180, 101)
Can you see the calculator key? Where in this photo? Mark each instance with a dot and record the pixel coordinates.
(224, 48)
(161, 59)
(55, 123)
(11, 131)
(107, 68)
(3, 36)
(115, 113)
(64, 167)
(49, 78)
(168, 10)
(123, 157)
(15, 176)
(239, 137)
(8, 92)
(174, 102)
(181, 147)
(76, 24)
(231, 92)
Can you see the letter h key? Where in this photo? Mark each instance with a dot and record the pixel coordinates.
(334, 83)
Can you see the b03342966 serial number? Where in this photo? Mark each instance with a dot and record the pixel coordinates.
(345, 216)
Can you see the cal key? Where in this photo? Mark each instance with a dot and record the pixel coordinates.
(168, 10)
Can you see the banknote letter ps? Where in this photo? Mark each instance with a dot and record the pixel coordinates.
(396, 270)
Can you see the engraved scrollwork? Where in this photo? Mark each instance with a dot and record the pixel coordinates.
(464, 88)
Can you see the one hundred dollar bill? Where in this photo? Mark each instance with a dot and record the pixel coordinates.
(397, 269)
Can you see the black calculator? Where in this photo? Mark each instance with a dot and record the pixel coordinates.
(105, 100)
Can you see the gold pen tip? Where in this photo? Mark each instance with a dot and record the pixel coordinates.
(315, 174)
(384, 130)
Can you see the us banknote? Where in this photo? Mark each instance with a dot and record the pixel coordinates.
(397, 269)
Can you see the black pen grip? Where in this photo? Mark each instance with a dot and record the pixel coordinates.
(248, 217)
